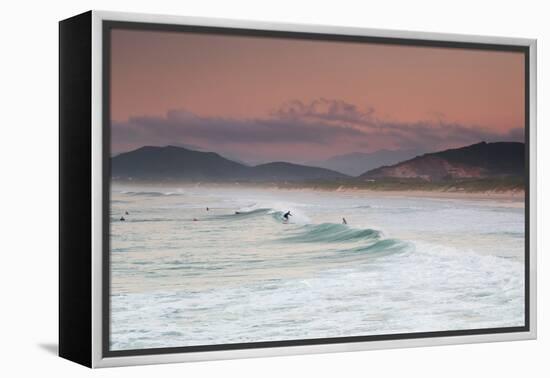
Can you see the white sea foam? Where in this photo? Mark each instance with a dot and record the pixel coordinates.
(400, 265)
(297, 216)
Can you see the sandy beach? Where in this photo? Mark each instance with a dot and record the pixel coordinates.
(512, 197)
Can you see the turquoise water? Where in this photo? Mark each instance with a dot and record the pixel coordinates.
(182, 275)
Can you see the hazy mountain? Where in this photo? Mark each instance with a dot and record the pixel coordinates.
(178, 163)
(481, 160)
(358, 162)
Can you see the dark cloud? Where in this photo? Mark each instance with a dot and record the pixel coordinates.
(319, 124)
(435, 136)
(179, 126)
(324, 110)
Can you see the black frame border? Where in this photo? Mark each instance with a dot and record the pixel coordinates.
(75, 189)
(109, 25)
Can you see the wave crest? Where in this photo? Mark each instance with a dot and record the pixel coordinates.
(333, 233)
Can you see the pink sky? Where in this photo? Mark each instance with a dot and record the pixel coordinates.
(263, 99)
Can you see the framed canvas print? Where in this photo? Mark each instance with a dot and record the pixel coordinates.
(236, 189)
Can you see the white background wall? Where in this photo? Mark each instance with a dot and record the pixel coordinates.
(28, 211)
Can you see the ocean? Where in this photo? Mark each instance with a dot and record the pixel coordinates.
(182, 275)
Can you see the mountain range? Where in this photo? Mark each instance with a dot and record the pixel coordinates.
(179, 163)
(481, 160)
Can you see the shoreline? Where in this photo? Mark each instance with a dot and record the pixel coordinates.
(511, 195)
(516, 196)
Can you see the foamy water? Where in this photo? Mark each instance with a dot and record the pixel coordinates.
(400, 265)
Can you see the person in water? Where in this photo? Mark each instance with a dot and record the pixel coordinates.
(286, 215)
(127, 213)
(207, 209)
(122, 219)
(344, 221)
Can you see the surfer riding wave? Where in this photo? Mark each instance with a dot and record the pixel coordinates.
(286, 215)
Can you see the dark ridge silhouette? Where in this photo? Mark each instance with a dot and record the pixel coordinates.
(480, 160)
(287, 171)
(177, 163)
